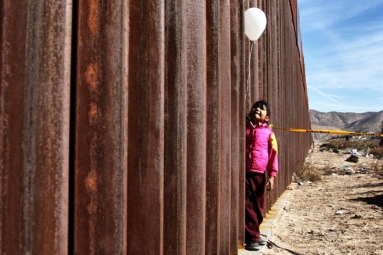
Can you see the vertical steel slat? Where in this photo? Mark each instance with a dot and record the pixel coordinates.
(255, 75)
(238, 80)
(146, 128)
(196, 125)
(175, 130)
(100, 129)
(136, 133)
(289, 87)
(225, 139)
(155, 158)
(234, 124)
(213, 120)
(281, 102)
(267, 85)
(35, 82)
(273, 80)
(12, 52)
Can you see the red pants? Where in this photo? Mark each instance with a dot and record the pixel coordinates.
(254, 202)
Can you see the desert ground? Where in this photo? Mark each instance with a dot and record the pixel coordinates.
(341, 212)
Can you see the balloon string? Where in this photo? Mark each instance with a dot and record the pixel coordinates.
(248, 77)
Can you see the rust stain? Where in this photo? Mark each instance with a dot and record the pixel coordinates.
(91, 76)
(94, 17)
(91, 182)
(91, 187)
(93, 113)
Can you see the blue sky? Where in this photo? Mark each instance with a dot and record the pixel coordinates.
(343, 51)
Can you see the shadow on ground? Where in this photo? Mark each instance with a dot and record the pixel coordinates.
(375, 200)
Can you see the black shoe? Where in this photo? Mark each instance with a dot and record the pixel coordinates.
(253, 246)
(262, 242)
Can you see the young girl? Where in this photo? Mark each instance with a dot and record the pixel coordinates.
(261, 157)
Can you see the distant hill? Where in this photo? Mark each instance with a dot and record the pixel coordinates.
(368, 122)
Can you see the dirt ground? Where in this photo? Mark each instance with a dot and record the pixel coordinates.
(340, 214)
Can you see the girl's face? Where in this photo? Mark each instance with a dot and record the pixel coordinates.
(259, 114)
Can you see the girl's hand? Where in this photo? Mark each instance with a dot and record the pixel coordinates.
(270, 183)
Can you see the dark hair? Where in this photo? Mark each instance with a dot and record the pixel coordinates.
(261, 104)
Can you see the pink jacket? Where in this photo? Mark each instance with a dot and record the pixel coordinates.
(261, 149)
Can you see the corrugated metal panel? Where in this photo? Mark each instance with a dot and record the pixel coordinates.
(175, 130)
(100, 129)
(142, 150)
(34, 131)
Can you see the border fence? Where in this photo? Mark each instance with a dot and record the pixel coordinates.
(122, 122)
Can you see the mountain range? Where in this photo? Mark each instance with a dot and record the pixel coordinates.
(368, 122)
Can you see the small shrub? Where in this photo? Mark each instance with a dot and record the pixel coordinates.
(305, 172)
(329, 147)
(353, 159)
(378, 169)
(377, 152)
(327, 170)
(360, 145)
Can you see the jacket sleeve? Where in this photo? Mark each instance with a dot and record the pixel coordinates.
(272, 166)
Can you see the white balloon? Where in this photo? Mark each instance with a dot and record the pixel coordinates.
(255, 23)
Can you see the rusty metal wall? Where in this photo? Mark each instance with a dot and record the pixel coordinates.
(34, 132)
(122, 122)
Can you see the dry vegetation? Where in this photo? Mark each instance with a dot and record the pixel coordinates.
(368, 151)
(334, 206)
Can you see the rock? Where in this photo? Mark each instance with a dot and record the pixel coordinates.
(353, 158)
(333, 229)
